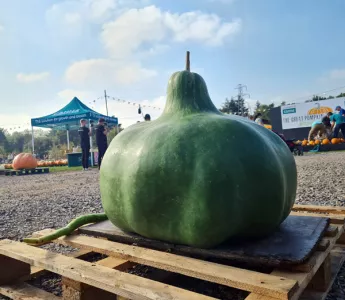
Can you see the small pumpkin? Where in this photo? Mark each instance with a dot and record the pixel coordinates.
(24, 161)
(304, 143)
(317, 142)
(311, 143)
(335, 141)
(325, 142)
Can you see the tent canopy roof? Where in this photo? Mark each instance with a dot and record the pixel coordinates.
(69, 116)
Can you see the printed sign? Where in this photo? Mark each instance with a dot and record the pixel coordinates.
(304, 114)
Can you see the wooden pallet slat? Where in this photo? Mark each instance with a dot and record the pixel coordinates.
(337, 258)
(116, 282)
(24, 291)
(304, 278)
(247, 280)
(320, 209)
(107, 278)
(11, 172)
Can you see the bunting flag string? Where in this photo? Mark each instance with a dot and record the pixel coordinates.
(15, 126)
(129, 102)
(93, 103)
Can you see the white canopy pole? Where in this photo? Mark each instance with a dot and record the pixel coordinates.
(32, 140)
(67, 139)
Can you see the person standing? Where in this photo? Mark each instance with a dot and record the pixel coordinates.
(340, 110)
(338, 123)
(84, 134)
(101, 139)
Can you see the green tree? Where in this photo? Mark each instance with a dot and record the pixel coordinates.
(318, 98)
(19, 141)
(3, 140)
(234, 107)
(264, 109)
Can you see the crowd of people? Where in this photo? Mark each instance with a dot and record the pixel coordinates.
(329, 126)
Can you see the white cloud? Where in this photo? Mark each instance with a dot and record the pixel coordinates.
(32, 77)
(72, 19)
(94, 11)
(106, 71)
(137, 33)
(128, 33)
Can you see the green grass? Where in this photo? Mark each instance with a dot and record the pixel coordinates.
(65, 169)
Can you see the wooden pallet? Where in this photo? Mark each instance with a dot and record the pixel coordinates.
(9, 172)
(107, 277)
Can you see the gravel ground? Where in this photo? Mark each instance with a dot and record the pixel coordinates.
(31, 203)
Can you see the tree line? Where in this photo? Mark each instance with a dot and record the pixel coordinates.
(318, 98)
(52, 143)
(237, 107)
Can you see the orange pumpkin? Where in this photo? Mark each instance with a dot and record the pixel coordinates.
(24, 161)
(342, 140)
(334, 141)
(325, 142)
(317, 142)
(311, 143)
(304, 143)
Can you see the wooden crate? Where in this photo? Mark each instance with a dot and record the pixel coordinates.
(107, 278)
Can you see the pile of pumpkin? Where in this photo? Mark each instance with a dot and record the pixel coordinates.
(54, 163)
(44, 163)
(333, 141)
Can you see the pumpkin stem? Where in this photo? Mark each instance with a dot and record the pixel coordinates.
(188, 61)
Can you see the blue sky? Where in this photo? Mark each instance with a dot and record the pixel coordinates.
(51, 51)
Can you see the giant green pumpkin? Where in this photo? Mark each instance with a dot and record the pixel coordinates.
(196, 176)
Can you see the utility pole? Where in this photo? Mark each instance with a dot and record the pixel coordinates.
(240, 98)
(106, 101)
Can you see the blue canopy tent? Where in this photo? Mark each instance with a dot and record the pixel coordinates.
(68, 118)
